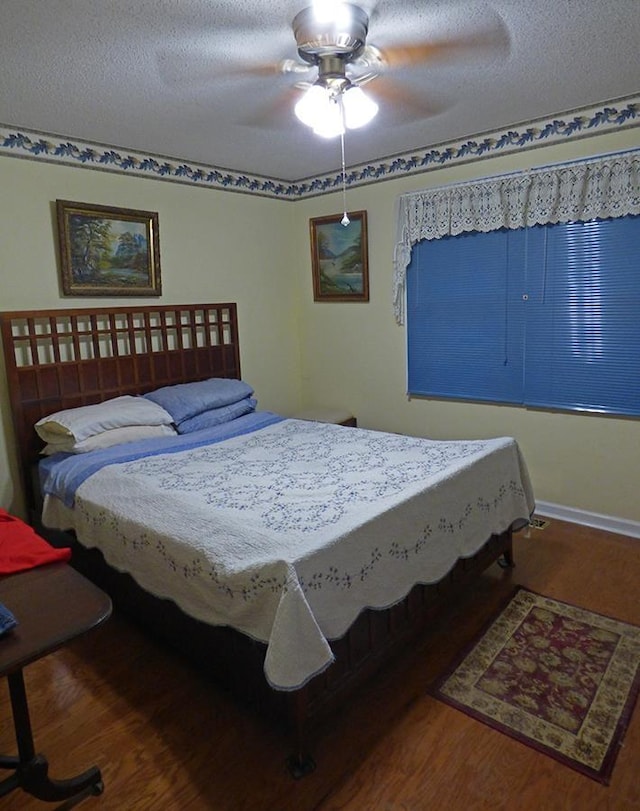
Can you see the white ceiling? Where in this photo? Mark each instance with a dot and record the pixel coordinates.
(166, 77)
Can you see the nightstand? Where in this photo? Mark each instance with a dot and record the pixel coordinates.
(337, 416)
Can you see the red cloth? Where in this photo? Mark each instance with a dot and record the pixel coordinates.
(22, 548)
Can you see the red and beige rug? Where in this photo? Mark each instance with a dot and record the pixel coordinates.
(556, 677)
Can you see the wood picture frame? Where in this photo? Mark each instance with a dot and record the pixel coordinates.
(339, 257)
(107, 251)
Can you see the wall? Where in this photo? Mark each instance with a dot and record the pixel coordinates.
(214, 246)
(353, 355)
(218, 245)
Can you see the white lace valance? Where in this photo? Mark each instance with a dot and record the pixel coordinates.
(605, 187)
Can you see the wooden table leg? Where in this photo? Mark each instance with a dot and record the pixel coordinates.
(32, 770)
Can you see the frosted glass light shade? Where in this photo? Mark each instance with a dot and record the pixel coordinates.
(327, 114)
(331, 123)
(311, 106)
(359, 109)
(321, 111)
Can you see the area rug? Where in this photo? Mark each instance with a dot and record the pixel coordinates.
(556, 677)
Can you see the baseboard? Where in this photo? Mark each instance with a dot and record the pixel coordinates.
(621, 526)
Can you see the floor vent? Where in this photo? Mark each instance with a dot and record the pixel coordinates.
(538, 523)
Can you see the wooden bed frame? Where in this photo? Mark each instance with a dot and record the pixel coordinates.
(65, 358)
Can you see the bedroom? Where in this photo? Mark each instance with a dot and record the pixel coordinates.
(220, 246)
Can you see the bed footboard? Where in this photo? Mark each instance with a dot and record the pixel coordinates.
(235, 662)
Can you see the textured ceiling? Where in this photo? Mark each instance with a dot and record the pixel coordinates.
(170, 77)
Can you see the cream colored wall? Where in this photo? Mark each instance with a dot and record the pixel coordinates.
(353, 355)
(214, 246)
(218, 245)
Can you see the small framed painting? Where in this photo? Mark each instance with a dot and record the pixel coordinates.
(339, 258)
(107, 251)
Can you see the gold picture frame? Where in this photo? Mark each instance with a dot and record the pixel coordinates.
(107, 251)
(339, 258)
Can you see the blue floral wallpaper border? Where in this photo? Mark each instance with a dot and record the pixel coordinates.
(608, 116)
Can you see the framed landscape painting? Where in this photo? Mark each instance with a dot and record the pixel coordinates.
(339, 258)
(107, 251)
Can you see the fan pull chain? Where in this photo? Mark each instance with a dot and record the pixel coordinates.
(345, 219)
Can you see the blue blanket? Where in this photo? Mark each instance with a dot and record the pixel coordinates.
(62, 473)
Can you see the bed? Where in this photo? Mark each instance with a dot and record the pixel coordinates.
(290, 558)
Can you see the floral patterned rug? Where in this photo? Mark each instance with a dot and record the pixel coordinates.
(556, 677)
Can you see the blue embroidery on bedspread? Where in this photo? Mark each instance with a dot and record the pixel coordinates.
(301, 478)
(299, 498)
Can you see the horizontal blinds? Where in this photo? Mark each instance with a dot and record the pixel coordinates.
(583, 318)
(464, 320)
(546, 316)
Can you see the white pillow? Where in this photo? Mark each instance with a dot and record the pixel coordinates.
(106, 439)
(85, 421)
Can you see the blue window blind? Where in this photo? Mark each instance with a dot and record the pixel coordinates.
(547, 316)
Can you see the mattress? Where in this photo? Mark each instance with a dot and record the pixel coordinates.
(286, 529)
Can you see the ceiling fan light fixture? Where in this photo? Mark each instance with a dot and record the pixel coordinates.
(359, 109)
(321, 110)
(330, 123)
(328, 112)
(312, 105)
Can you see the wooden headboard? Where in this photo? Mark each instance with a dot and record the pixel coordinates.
(57, 359)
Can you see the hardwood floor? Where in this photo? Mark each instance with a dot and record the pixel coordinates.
(167, 740)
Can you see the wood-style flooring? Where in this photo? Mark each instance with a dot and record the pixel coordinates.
(168, 740)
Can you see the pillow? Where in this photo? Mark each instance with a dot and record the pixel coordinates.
(85, 421)
(185, 400)
(216, 416)
(106, 439)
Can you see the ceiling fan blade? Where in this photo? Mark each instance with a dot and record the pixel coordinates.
(491, 42)
(284, 66)
(404, 103)
(202, 58)
(175, 70)
(277, 114)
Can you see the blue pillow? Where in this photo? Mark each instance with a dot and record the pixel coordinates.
(185, 400)
(216, 416)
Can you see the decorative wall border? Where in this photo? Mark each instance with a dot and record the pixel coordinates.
(607, 116)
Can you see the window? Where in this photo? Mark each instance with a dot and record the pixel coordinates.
(546, 316)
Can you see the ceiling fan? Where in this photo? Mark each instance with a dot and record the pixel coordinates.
(335, 61)
(332, 43)
(331, 39)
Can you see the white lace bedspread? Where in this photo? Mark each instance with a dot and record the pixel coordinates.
(289, 532)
